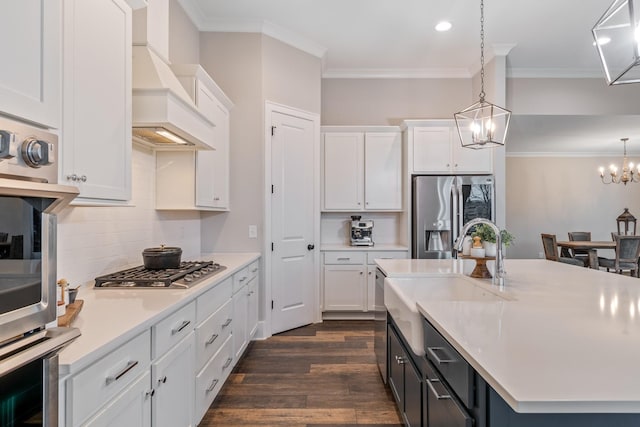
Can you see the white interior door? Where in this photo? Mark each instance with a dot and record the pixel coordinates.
(292, 222)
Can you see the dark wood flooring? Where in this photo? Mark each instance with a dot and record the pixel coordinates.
(321, 375)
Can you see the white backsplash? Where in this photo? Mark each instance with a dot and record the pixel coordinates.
(336, 227)
(98, 240)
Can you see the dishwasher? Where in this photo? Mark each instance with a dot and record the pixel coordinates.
(380, 325)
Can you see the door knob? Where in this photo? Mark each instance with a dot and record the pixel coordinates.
(311, 246)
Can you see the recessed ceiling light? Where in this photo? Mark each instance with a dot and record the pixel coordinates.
(602, 41)
(443, 26)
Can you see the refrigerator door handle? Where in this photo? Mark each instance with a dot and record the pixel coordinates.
(460, 201)
(454, 211)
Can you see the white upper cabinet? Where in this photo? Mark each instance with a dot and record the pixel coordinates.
(206, 172)
(362, 170)
(434, 147)
(30, 51)
(96, 133)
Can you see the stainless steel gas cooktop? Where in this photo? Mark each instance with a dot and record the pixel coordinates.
(188, 274)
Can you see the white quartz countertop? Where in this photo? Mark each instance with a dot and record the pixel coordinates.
(376, 247)
(110, 317)
(557, 339)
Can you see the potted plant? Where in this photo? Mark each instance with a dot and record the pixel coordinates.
(488, 237)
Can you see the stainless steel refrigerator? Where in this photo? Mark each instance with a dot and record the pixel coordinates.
(441, 204)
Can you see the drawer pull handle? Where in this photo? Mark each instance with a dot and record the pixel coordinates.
(227, 363)
(243, 279)
(227, 323)
(130, 365)
(183, 325)
(433, 389)
(254, 270)
(162, 380)
(212, 339)
(213, 385)
(344, 259)
(438, 360)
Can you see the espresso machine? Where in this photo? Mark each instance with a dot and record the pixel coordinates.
(361, 231)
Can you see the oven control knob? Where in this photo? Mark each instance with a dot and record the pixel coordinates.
(36, 152)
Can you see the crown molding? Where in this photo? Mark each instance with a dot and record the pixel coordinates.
(564, 154)
(551, 73)
(396, 73)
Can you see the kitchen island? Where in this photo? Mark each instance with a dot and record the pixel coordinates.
(557, 339)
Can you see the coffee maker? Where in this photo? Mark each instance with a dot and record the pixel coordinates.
(361, 231)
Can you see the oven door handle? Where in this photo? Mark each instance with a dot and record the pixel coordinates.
(40, 344)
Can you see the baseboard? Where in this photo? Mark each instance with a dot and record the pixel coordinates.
(347, 315)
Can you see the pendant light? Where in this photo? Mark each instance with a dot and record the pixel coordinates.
(483, 124)
(617, 39)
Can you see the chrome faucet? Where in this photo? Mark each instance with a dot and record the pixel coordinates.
(499, 273)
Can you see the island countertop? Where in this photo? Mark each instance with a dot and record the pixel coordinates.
(557, 339)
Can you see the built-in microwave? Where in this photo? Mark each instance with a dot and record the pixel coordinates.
(30, 198)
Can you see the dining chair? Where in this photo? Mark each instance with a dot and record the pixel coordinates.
(627, 253)
(581, 254)
(551, 251)
(4, 237)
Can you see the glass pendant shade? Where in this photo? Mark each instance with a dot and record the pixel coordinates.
(617, 37)
(482, 125)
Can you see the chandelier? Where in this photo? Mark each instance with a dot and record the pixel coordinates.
(617, 38)
(483, 124)
(627, 175)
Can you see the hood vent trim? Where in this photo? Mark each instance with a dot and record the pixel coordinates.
(161, 102)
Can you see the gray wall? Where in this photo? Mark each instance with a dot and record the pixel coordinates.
(561, 194)
(390, 101)
(251, 69)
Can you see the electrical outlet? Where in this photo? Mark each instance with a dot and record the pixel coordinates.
(253, 231)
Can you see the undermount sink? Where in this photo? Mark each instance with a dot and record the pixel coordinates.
(400, 296)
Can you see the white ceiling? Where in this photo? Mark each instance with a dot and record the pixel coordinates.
(396, 38)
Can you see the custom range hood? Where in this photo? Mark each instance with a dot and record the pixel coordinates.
(164, 115)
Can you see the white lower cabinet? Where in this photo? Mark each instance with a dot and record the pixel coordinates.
(348, 279)
(173, 380)
(169, 374)
(132, 408)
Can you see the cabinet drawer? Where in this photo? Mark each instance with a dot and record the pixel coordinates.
(209, 302)
(212, 333)
(240, 279)
(209, 381)
(456, 371)
(443, 408)
(371, 256)
(254, 267)
(344, 257)
(107, 377)
(170, 330)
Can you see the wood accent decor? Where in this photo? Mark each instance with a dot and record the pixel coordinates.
(321, 374)
(72, 312)
(480, 271)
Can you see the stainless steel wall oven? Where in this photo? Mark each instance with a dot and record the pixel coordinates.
(30, 198)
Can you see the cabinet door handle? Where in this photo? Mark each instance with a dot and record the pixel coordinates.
(227, 363)
(437, 359)
(433, 389)
(211, 340)
(149, 393)
(130, 365)
(400, 360)
(162, 380)
(183, 325)
(227, 323)
(211, 386)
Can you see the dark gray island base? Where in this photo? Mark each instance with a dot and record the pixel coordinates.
(441, 389)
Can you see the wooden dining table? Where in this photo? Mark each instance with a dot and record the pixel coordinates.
(587, 245)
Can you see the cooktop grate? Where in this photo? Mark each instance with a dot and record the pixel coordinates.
(186, 274)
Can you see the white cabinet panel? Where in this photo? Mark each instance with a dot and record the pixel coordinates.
(383, 171)
(30, 81)
(437, 149)
(96, 134)
(362, 171)
(344, 288)
(343, 171)
(173, 378)
(132, 408)
(252, 304)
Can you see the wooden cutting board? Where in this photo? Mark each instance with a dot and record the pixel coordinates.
(72, 312)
